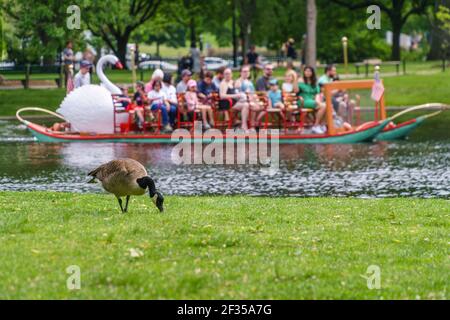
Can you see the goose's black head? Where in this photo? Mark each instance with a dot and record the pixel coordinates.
(156, 196)
(158, 200)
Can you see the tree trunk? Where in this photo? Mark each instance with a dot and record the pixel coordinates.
(311, 49)
(193, 32)
(396, 32)
(1, 35)
(121, 50)
(436, 33)
(235, 44)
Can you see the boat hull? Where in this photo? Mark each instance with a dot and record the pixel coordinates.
(368, 134)
(399, 132)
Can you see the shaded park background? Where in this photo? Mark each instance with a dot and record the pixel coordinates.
(35, 31)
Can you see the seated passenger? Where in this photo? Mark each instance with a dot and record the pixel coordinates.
(193, 103)
(206, 88)
(275, 100)
(339, 123)
(137, 107)
(329, 76)
(290, 84)
(123, 98)
(218, 77)
(171, 98)
(158, 101)
(140, 97)
(309, 91)
(60, 126)
(243, 84)
(158, 74)
(185, 77)
(263, 82)
(230, 98)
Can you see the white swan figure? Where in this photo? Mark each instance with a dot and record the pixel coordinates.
(90, 108)
(104, 80)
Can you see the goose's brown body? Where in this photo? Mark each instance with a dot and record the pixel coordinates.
(119, 177)
(126, 178)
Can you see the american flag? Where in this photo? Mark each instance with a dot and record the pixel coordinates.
(377, 89)
(70, 84)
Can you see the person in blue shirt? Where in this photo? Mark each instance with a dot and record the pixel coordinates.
(206, 88)
(275, 100)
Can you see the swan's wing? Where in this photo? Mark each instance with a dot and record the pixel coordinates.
(89, 109)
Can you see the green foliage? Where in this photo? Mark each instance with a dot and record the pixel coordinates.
(40, 27)
(116, 21)
(1, 35)
(222, 247)
(443, 16)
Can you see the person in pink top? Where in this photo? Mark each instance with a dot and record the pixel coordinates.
(193, 104)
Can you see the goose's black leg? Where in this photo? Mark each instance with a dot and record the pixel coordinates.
(120, 203)
(126, 204)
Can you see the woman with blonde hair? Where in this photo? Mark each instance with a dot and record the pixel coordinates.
(290, 84)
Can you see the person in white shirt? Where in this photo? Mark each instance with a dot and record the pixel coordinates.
(158, 101)
(83, 76)
(171, 96)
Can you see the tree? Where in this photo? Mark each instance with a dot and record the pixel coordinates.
(1, 34)
(40, 25)
(311, 48)
(247, 11)
(443, 16)
(398, 12)
(115, 21)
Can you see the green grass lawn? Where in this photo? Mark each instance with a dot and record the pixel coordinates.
(222, 247)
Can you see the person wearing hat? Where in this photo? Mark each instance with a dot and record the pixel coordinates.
(83, 77)
(193, 104)
(185, 77)
(275, 100)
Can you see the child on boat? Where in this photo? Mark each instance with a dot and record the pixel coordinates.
(136, 108)
(275, 100)
(123, 99)
(140, 97)
(193, 104)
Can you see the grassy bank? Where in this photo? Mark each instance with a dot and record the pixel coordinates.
(222, 247)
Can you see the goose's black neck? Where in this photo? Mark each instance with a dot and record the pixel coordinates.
(147, 182)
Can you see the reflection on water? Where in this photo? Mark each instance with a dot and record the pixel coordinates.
(363, 170)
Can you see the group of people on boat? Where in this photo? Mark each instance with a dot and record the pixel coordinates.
(219, 92)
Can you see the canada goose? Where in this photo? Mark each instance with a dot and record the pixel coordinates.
(127, 177)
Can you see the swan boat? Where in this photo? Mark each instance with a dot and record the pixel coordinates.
(91, 113)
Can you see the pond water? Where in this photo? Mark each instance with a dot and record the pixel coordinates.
(407, 168)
